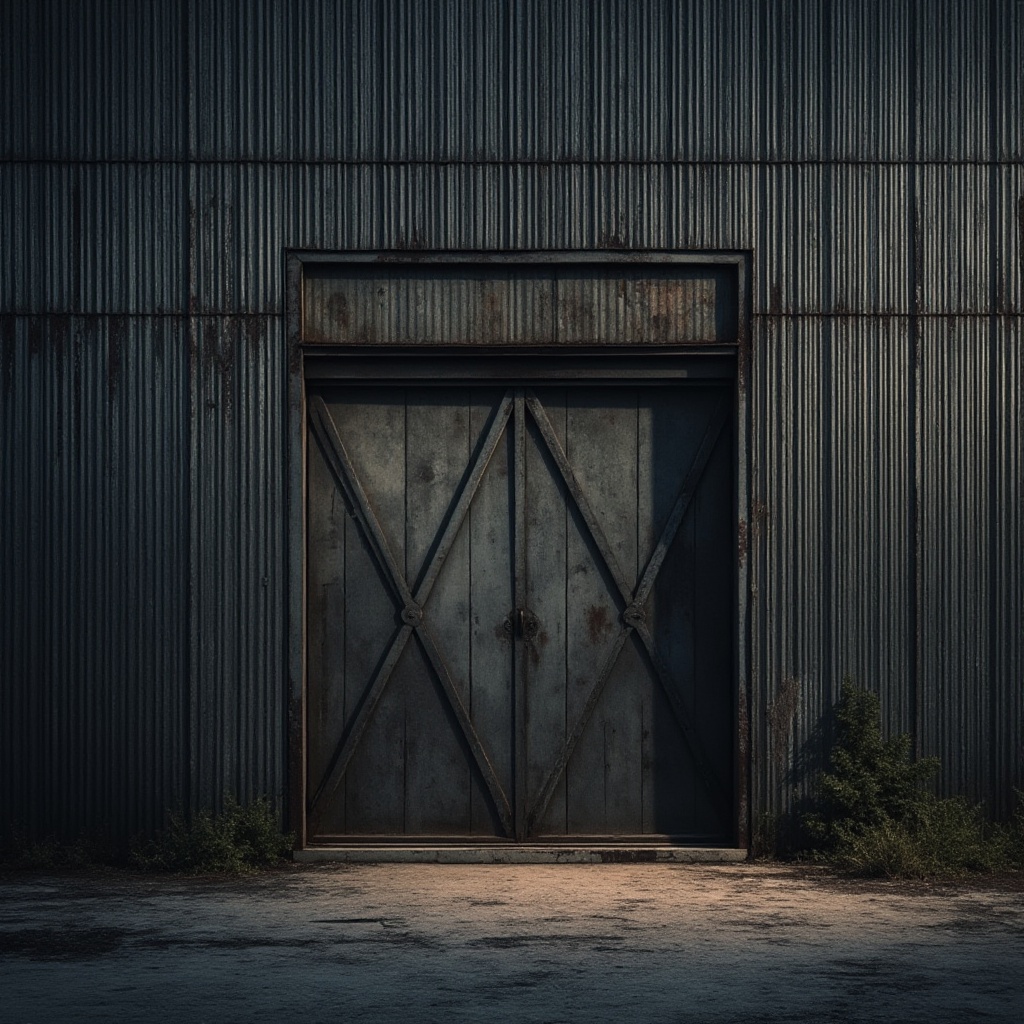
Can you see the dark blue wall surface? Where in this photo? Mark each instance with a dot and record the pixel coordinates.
(156, 160)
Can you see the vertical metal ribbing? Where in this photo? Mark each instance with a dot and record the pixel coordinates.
(914, 412)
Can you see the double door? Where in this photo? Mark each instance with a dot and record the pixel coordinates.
(519, 612)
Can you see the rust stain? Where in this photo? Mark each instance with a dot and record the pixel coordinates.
(35, 336)
(536, 645)
(253, 335)
(758, 516)
(193, 299)
(1020, 234)
(493, 319)
(742, 775)
(118, 331)
(412, 243)
(742, 543)
(743, 362)
(7, 342)
(599, 623)
(781, 715)
(76, 241)
(338, 314)
(59, 330)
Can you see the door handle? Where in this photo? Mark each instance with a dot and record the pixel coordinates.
(529, 624)
(521, 622)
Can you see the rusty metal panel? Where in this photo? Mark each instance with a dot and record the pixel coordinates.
(504, 304)
(277, 82)
(237, 549)
(160, 159)
(245, 215)
(109, 80)
(952, 66)
(835, 83)
(1007, 66)
(93, 555)
(622, 81)
(528, 81)
(871, 495)
(956, 517)
(22, 226)
(793, 113)
(866, 226)
(831, 536)
(1007, 547)
(952, 220)
(104, 238)
(1008, 239)
(831, 238)
(22, 80)
(870, 81)
(790, 685)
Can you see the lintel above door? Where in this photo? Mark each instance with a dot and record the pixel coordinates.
(523, 299)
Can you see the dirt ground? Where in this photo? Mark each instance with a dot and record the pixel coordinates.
(454, 943)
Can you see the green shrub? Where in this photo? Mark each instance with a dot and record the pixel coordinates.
(238, 840)
(871, 781)
(872, 816)
(1012, 835)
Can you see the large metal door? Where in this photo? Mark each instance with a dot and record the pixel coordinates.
(519, 612)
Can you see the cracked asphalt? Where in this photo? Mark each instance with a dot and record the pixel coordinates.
(545, 943)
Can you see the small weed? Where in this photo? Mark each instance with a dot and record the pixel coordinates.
(22, 853)
(238, 840)
(765, 840)
(1012, 836)
(939, 838)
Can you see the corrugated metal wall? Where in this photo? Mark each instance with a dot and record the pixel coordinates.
(155, 161)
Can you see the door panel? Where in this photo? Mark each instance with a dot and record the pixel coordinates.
(519, 612)
(544, 596)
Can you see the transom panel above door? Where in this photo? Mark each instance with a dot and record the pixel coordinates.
(520, 606)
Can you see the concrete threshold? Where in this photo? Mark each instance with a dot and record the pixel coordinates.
(537, 854)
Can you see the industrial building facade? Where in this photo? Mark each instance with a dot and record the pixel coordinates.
(504, 421)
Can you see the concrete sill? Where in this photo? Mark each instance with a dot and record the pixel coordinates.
(539, 854)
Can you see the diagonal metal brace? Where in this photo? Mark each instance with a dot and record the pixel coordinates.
(412, 605)
(634, 617)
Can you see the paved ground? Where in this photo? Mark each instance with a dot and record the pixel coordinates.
(507, 943)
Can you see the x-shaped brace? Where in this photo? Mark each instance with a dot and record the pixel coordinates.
(634, 616)
(412, 603)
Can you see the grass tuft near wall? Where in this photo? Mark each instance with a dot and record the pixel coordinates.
(238, 840)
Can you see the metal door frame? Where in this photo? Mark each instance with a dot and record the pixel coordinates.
(453, 365)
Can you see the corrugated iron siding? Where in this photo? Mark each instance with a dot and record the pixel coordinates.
(156, 160)
(237, 532)
(94, 603)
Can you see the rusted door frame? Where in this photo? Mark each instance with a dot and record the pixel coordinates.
(352, 363)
